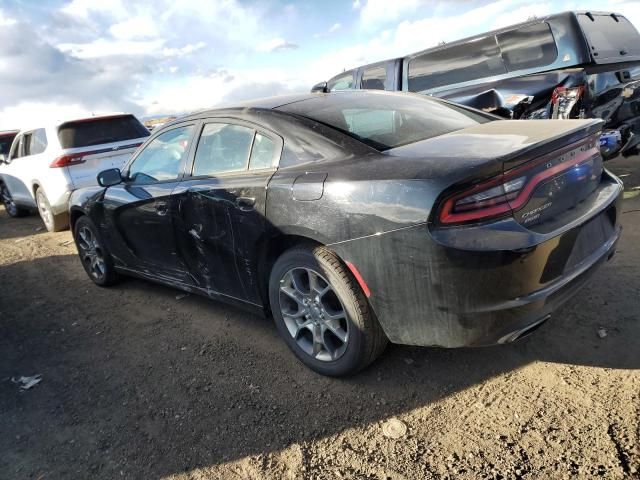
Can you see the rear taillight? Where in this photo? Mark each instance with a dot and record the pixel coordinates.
(485, 200)
(501, 195)
(563, 101)
(69, 159)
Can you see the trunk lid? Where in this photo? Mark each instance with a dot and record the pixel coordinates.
(89, 161)
(535, 170)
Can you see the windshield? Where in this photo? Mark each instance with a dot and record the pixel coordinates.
(385, 121)
(86, 133)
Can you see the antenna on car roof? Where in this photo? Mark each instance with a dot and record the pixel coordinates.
(590, 15)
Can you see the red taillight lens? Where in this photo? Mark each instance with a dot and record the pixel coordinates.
(563, 100)
(501, 195)
(486, 200)
(69, 159)
(77, 158)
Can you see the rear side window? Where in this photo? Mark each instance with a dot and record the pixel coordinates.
(263, 153)
(374, 79)
(87, 133)
(459, 63)
(344, 81)
(222, 148)
(528, 47)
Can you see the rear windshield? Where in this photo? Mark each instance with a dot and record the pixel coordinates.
(5, 144)
(385, 121)
(87, 133)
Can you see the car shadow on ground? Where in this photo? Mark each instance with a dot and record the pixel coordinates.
(19, 227)
(142, 382)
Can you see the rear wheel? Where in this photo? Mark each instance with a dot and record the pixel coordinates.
(322, 313)
(10, 206)
(94, 256)
(54, 223)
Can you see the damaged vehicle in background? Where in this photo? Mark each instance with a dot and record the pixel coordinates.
(566, 65)
(360, 217)
(47, 163)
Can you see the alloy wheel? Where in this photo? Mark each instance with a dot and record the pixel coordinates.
(8, 202)
(91, 253)
(313, 314)
(44, 209)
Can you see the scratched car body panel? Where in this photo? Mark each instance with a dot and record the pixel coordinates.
(447, 260)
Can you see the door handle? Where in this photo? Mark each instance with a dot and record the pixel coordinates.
(161, 208)
(245, 203)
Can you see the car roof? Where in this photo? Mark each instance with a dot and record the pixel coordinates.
(277, 102)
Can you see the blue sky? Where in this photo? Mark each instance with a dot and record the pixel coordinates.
(61, 58)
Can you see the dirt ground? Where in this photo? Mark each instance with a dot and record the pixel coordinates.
(140, 383)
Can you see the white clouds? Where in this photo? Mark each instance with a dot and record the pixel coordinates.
(6, 21)
(23, 114)
(521, 14)
(186, 50)
(83, 8)
(276, 44)
(105, 48)
(134, 28)
(332, 29)
(194, 92)
(376, 12)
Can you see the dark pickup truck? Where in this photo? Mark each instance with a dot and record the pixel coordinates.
(567, 65)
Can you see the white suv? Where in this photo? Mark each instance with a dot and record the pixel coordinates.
(46, 164)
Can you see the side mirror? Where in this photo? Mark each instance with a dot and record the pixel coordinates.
(320, 88)
(2, 158)
(109, 178)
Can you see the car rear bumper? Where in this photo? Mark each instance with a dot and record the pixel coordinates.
(493, 288)
(516, 318)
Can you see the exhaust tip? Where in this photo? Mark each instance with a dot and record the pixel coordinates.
(524, 332)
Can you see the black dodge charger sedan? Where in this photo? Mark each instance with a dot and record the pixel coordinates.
(359, 218)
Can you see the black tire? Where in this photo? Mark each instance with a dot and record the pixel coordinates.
(54, 223)
(10, 206)
(105, 276)
(365, 339)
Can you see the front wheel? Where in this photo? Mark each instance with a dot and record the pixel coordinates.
(322, 313)
(94, 256)
(54, 223)
(9, 204)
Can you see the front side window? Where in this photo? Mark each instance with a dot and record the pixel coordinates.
(37, 142)
(343, 81)
(528, 47)
(374, 79)
(222, 148)
(161, 158)
(16, 148)
(459, 63)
